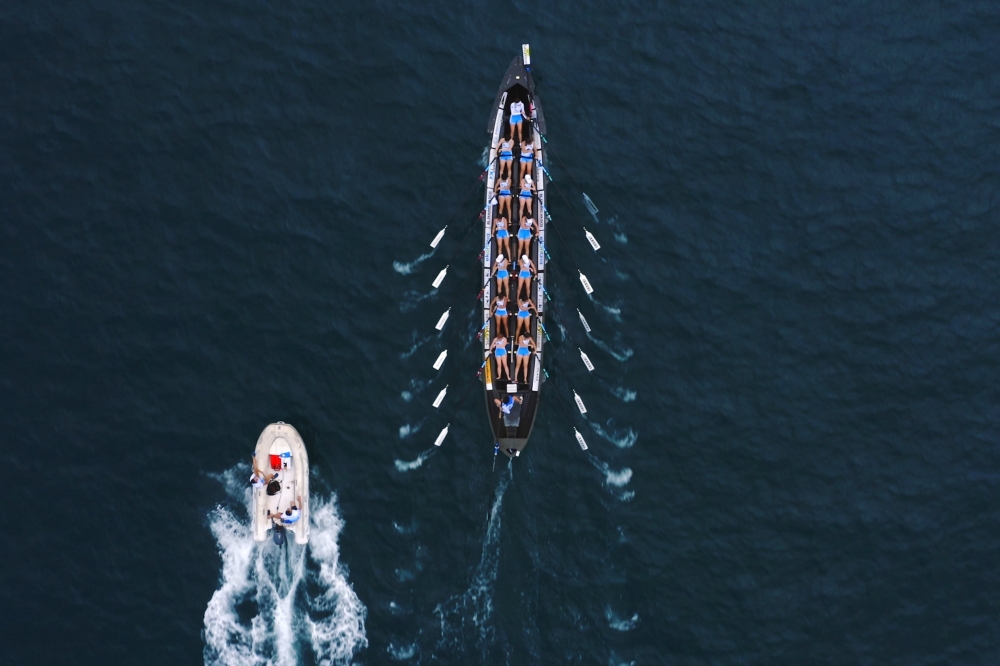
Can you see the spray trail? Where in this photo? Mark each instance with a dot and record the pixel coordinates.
(407, 466)
(615, 311)
(412, 299)
(417, 344)
(408, 429)
(621, 440)
(615, 480)
(619, 354)
(619, 624)
(273, 603)
(623, 394)
(407, 268)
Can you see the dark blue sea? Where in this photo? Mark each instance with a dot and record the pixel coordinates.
(216, 215)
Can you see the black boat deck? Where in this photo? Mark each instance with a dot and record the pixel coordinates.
(513, 431)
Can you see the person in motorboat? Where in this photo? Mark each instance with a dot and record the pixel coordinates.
(259, 479)
(524, 309)
(527, 187)
(526, 269)
(524, 235)
(506, 155)
(499, 348)
(524, 346)
(503, 195)
(527, 157)
(500, 269)
(502, 235)
(508, 403)
(499, 308)
(291, 514)
(516, 118)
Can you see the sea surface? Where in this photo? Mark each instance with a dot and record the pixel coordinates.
(216, 215)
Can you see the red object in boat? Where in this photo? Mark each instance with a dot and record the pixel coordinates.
(275, 462)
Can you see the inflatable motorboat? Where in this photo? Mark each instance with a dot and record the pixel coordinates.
(281, 456)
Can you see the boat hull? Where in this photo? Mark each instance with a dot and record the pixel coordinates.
(512, 430)
(284, 442)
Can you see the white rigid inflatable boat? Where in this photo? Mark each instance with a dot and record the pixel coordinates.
(280, 451)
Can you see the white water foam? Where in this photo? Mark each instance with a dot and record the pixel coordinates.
(621, 238)
(621, 355)
(408, 429)
(299, 595)
(471, 612)
(615, 479)
(484, 159)
(623, 394)
(621, 440)
(410, 465)
(401, 652)
(613, 661)
(617, 623)
(407, 268)
(416, 387)
(405, 529)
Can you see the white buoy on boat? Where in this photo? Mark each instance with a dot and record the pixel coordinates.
(579, 438)
(579, 403)
(593, 241)
(440, 359)
(437, 400)
(586, 361)
(441, 436)
(583, 280)
(440, 235)
(583, 321)
(440, 278)
(442, 320)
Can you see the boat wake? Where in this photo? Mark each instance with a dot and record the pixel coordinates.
(407, 268)
(465, 619)
(275, 604)
(621, 355)
(408, 466)
(621, 440)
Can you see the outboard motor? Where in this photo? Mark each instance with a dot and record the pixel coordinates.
(279, 535)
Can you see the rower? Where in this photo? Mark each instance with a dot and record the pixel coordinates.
(527, 187)
(516, 118)
(527, 156)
